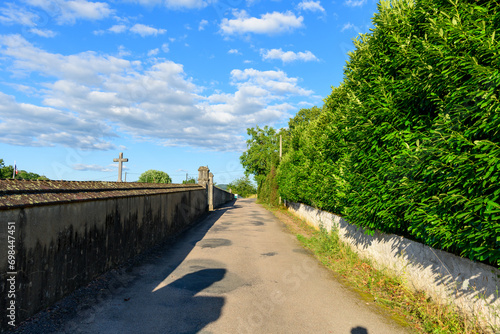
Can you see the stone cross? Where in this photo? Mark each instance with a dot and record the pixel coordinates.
(120, 161)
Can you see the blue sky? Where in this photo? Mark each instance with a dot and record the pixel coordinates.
(173, 84)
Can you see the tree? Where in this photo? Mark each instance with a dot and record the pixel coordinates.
(191, 180)
(262, 152)
(155, 176)
(242, 186)
(6, 172)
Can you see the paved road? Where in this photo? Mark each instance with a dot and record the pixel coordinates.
(237, 272)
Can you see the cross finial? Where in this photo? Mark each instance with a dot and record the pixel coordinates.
(120, 161)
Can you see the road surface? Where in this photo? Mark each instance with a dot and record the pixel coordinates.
(238, 271)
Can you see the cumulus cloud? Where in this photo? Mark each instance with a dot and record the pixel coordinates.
(69, 11)
(28, 124)
(153, 52)
(270, 23)
(118, 28)
(43, 32)
(145, 30)
(355, 3)
(174, 4)
(96, 168)
(311, 6)
(202, 25)
(288, 56)
(89, 98)
(350, 26)
(13, 14)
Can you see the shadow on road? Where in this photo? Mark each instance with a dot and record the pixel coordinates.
(184, 244)
(190, 313)
(359, 330)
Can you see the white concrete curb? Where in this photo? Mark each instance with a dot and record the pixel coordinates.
(473, 287)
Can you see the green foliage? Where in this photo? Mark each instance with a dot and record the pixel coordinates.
(154, 176)
(269, 189)
(6, 172)
(410, 142)
(242, 186)
(262, 151)
(191, 180)
(262, 154)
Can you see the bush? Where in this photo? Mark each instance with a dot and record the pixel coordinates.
(155, 176)
(410, 142)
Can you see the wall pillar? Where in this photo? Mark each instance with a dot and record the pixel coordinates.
(210, 192)
(203, 176)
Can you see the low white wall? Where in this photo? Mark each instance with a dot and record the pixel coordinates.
(474, 287)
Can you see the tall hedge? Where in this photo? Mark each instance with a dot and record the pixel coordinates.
(410, 142)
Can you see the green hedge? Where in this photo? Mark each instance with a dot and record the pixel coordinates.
(410, 142)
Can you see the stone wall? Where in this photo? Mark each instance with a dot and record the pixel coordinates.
(216, 196)
(473, 287)
(221, 196)
(68, 233)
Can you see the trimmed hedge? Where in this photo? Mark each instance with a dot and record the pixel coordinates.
(410, 142)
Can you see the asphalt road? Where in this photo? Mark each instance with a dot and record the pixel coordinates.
(239, 271)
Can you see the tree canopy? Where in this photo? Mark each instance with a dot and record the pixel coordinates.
(191, 180)
(155, 176)
(242, 186)
(6, 172)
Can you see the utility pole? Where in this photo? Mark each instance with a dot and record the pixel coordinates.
(281, 153)
(281, 147)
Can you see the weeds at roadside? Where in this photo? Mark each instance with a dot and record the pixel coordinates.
(413, 308)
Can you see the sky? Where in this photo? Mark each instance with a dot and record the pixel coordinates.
(173, 84)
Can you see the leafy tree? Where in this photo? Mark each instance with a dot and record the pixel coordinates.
(6, 172)
(191, 180)
(155, 176)
(409, 143)
(242, 186)
(262, 151)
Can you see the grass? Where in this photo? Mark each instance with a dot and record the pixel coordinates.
(411, 308)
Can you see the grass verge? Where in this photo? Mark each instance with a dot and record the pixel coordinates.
(411, 308)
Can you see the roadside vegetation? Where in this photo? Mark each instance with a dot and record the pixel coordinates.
(412, 309)
(409, 142)
(243, 186)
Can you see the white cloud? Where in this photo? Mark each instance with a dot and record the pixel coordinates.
(276, 82)
(288, 56)
(118, 28)
(270, 23)
(89, 98)
(234, 52)
(145, 30)
(69, 11)
(188, 4)
(202, 25)
(312, 6)
(153, 52)
(13, 14)
(175, 4)
(43, 32)
(165, 48)
(354, 3)
(96, 168)
(85, 67)
(350, 26)
(27, 124)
